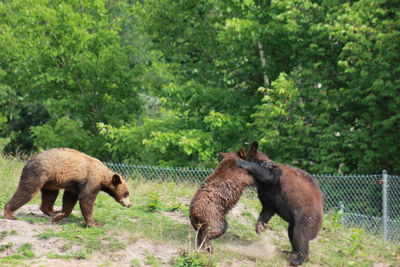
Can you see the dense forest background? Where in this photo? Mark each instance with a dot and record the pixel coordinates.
(173, 83)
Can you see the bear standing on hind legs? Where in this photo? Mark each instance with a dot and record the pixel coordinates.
(292, 194)
(219, 194)
(82, 177)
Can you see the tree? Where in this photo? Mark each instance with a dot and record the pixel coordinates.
(176, 82)
(342, 115)
(68, 61)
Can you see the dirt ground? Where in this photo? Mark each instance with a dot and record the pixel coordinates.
(26, 232)
(15, 233)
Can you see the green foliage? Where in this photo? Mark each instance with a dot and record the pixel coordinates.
(154, 202)
(152, 261)
(135, 263)
(65, 133)
(194, 259)
(69, 59)
(334, 219)
(3, 143)
(301, 117)
(174, 83)
(356, 240)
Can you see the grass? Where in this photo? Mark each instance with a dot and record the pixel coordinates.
(151, 217)
(3, 234)
(23, 253)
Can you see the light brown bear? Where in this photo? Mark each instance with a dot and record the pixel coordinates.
(82, 177)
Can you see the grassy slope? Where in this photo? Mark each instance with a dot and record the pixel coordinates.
(148, 218)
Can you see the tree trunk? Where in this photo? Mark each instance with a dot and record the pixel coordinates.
(263, 64)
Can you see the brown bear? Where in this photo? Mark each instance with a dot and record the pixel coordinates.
(219, 193)
(82, 177)
(292, 194)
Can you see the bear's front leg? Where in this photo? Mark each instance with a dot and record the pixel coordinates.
(263, 219)
(48, 199)
(69, 201)
(260, 227)
(86, 202)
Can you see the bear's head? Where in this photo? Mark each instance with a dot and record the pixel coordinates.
(241, 154)
(119, 190)
(254, 155)
(227, 167)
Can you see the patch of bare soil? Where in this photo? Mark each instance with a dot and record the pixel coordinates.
(138, 253)
(382, 264)
(142, 250)
(238, 211)
(44, 262)
(15, 233)
(176, 216)
(262, 250)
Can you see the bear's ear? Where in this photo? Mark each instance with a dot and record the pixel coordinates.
(242, 153)
(116, 179)
(253, 148)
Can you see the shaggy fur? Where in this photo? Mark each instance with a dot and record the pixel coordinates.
(219, 194)
(80, 175)
(296, 198)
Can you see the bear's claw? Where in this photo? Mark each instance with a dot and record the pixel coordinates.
(95, 224)
(58, 216)
(260, 227)
(10, 217)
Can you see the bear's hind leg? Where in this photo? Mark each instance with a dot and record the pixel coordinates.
(213, 233)
(48, 199)
(26, 191)
(300, 242)
(200, 239)
(69, 201)
(290, 235)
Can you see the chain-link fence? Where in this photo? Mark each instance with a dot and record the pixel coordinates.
(371, 202)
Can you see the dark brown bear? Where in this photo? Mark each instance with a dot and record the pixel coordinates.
(292, 194)
(82, 177)
(219, 194)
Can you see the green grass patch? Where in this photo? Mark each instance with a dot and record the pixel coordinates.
(152, 260)
(78, 255)
(24, 252)
(3, 234)
(194, 259)
(135, 263)
(4, 247)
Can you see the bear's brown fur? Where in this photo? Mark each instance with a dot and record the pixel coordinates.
(219, 193)
(296, 197)
(80, 175)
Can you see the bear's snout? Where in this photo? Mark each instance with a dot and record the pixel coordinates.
(126, 202)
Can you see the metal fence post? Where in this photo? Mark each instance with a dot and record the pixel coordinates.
(384, 204)
(341, 205)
